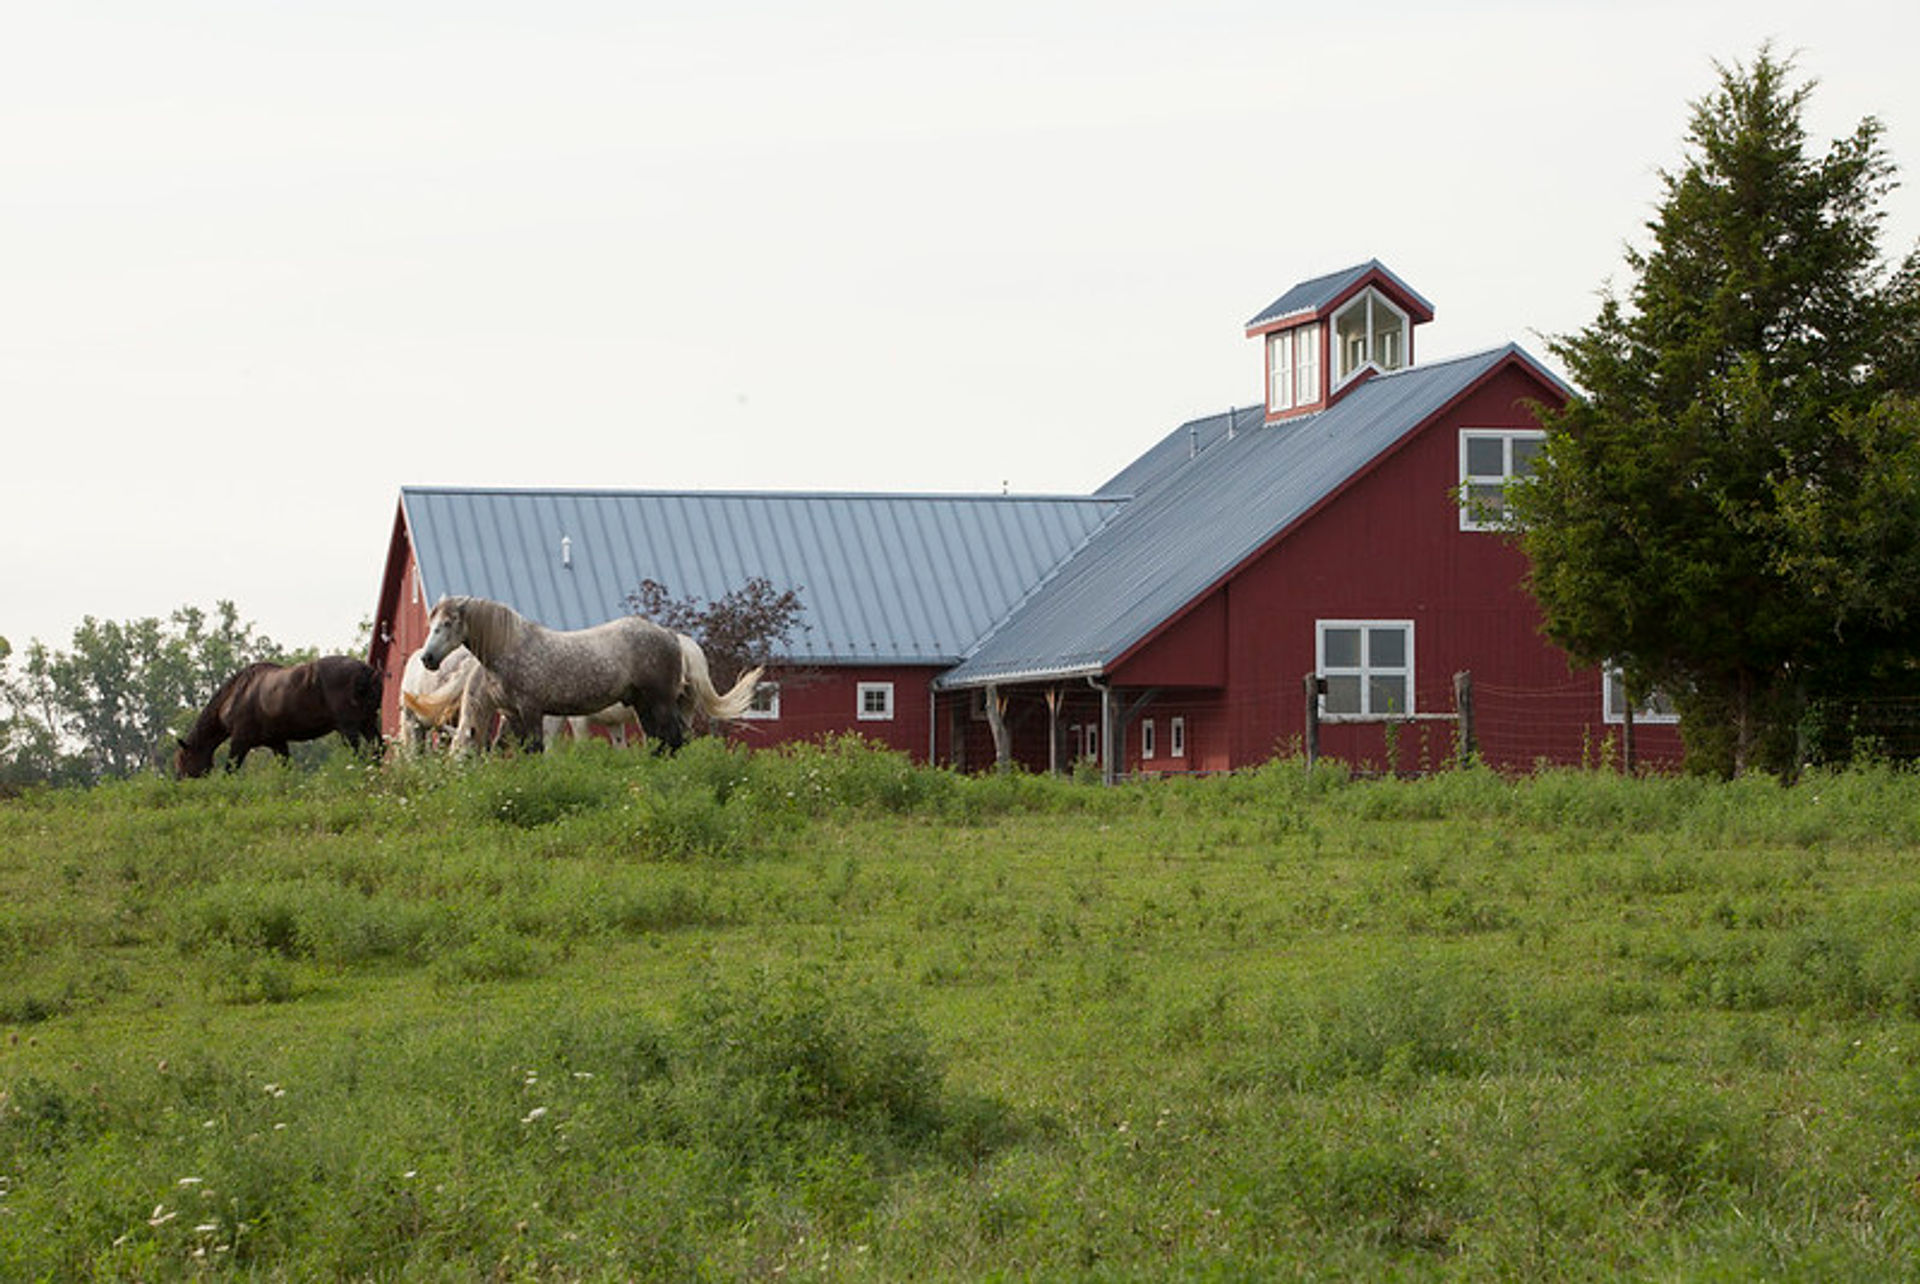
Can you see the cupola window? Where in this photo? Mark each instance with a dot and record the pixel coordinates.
(1368, 331)
(1293, 369)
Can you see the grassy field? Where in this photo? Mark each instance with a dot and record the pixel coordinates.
(820, 1015)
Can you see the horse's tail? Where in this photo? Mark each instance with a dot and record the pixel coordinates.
(435, 708)
(697, 689)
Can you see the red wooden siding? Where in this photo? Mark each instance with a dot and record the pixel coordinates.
(822, 702)
(1388, 547)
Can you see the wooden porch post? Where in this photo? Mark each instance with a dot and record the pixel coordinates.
(1110, 732)
(1053, 731)
(997, 723)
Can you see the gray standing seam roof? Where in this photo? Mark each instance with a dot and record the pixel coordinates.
(908, 579)
(1310, 296)
(991, 588)
(1194, 519)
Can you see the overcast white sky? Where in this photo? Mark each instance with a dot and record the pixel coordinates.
(262, 264)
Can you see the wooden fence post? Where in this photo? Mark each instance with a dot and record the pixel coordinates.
(1463, 709)
(1312, 685)
(1626, 729)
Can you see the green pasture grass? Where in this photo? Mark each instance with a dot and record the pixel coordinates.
(820, 1014)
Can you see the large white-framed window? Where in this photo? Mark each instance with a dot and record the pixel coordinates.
(1366, 666)
(1368, 331)
(766, 703)
(1293, 368)
(1655, 707)
(1491, 458)
(873, 701)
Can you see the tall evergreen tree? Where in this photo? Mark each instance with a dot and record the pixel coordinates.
(1762, 315)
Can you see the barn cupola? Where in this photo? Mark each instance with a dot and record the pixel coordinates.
(1324, 336)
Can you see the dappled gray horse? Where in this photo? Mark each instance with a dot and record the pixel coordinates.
(538, 671)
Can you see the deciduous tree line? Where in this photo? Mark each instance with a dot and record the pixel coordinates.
(111, 704)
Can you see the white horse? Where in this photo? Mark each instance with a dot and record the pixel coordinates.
(538, 671)
(469, 704)
(421, 711)
(615, 718)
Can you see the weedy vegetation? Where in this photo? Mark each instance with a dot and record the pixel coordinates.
(817, 1013)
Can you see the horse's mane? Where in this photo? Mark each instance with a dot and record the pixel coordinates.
(492, 627)
(213, 718)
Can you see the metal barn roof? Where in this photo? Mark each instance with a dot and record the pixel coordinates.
(1197, 516)
(1310, 296)
(911, 579)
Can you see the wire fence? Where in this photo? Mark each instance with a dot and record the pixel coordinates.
(1562, 724)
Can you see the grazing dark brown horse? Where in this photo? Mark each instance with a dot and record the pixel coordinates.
(268, 705)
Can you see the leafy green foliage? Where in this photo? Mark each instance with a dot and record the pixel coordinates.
(111, 705)
(1686, 504)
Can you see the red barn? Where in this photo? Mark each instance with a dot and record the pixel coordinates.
(1334, 551)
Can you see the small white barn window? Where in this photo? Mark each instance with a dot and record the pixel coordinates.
(874, 701)
(1293, 368)
(1655, 707)
(1147, 739)
(1280, 371)
(766, 703)
(1177, 737)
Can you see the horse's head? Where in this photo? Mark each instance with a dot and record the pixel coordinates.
(446, 631)
(192, 761)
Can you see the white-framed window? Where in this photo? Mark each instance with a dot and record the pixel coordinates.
(1366, 667)
(874, 701)
(1280, 371)
(1177, 737)
(1148, 743)
(1369, 331)
(1306, 365)
(1490, 458)
(766, 703)
(1655, 707)
(1085, 739)
(1293, 368)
